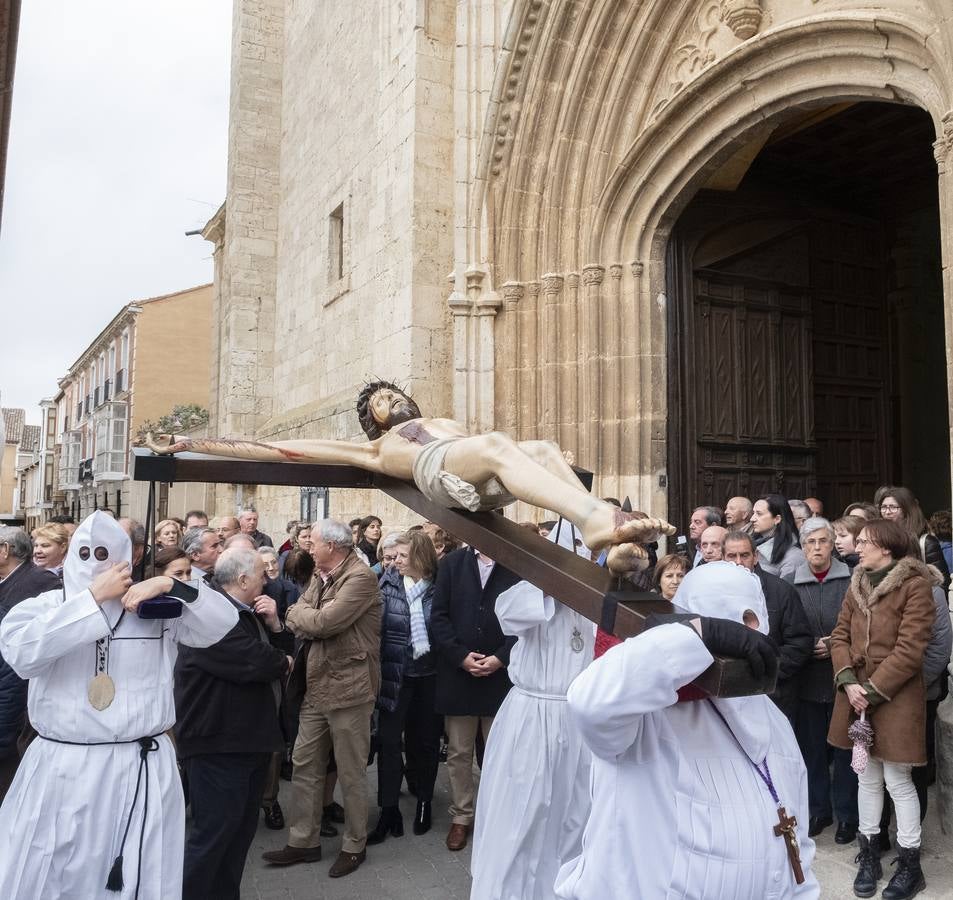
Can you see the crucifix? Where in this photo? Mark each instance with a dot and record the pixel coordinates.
(785, 829)
(454, 478)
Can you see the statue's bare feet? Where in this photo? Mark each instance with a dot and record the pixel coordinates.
(164, 444)
(569, 457)
(613, 526)
(625, 558)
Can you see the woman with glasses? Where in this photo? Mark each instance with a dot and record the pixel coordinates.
(774, 533)
(899, 505)
(877, 650)
(386, 554)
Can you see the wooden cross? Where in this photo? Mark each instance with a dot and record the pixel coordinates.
(580, 585)
(785, 829)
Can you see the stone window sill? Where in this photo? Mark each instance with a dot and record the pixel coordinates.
(337, 289)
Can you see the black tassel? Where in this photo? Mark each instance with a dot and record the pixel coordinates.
(114, 881)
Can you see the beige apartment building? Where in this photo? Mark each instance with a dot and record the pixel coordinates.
(703, 244)
(11, 432)
(152, 356)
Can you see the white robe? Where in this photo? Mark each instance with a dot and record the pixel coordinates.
(534, 789)
(678, 810)
(62, 820)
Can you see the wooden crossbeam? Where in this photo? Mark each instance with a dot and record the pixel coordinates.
(578, 583)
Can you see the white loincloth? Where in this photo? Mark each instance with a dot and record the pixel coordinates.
(447, 489)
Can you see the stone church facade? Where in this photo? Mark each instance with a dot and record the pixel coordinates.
(703, 244)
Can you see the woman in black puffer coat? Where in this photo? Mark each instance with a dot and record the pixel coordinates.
(408, 684)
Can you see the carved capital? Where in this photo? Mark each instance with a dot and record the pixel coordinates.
(615, 271)
(593, 274)
(572, 280)
(512, 292)
(943, 145)
(532, 288)
(743, 17)
(552, 283)
(638, 268)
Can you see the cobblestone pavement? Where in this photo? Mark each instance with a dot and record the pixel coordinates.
(411, 867)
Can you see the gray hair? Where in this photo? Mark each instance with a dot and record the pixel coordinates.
(394, 537)
(816, 523)
(234, 563)
(713, 515)
(334, 532)
(247, 509)
(240, 538)
(135, 530)
(194, 539)
(17, 540)
(268, 551)
(738, 535)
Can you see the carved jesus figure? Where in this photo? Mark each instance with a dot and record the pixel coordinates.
(454, 468)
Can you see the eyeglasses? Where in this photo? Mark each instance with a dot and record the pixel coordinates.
(889, 507)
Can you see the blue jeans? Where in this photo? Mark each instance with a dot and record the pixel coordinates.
(813, 721)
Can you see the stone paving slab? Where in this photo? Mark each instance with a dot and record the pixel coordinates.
(421, 868)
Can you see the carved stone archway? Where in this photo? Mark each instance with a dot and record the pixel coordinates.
(614, 118)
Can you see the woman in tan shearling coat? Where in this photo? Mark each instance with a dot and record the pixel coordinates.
(877, 651)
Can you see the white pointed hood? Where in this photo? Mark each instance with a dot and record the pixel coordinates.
(96, 545)
(724, 591)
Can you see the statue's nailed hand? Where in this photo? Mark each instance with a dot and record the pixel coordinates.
(162, 444)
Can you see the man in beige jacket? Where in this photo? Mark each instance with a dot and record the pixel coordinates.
(339, 617)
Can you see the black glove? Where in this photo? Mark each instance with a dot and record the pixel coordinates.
(723, 637)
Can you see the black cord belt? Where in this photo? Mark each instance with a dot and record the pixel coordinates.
(147, 745)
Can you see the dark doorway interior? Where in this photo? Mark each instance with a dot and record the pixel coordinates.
(806, 327)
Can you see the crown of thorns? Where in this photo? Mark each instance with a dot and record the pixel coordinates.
(368, 423)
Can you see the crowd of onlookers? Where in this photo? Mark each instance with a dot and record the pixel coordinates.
(384, 645)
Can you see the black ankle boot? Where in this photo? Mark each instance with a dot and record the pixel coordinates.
(908, 880)
(869, 871)
(422, 818)
(390, 822)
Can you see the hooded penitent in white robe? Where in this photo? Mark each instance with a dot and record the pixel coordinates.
(534, 790)
(62, 821)
(678, 809)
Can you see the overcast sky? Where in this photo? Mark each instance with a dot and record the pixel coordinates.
(118, 146)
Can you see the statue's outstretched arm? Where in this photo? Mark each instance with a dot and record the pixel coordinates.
(325, 452)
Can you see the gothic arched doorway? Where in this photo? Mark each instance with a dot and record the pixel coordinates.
(805, 318)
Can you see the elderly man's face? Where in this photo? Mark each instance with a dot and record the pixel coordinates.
(248, 521)
(741, 554)
(211, 550)
(737, 511)
(226, 527)
(712, 543)
(697, 525)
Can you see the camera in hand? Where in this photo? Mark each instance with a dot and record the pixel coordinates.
(162, 607)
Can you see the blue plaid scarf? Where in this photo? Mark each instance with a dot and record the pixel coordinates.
(418, 625)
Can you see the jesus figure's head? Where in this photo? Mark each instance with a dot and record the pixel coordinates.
(381, 405)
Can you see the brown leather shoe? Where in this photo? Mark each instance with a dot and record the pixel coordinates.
(346, 863)
(457, 837)
(288, 855)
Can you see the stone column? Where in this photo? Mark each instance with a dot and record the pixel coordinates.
(569, 356)
(943, 151)
(591, 326)
(508, 356)
(611, 339)
(549, 413)
(528, 363)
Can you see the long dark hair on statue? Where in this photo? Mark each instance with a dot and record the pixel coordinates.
(369, 424)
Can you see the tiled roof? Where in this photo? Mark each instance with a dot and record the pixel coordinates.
(13, 422)
(30, 441)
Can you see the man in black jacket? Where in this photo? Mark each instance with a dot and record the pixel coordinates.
(787, 624)
(20, 579)
(227, 698)
(471, 668)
